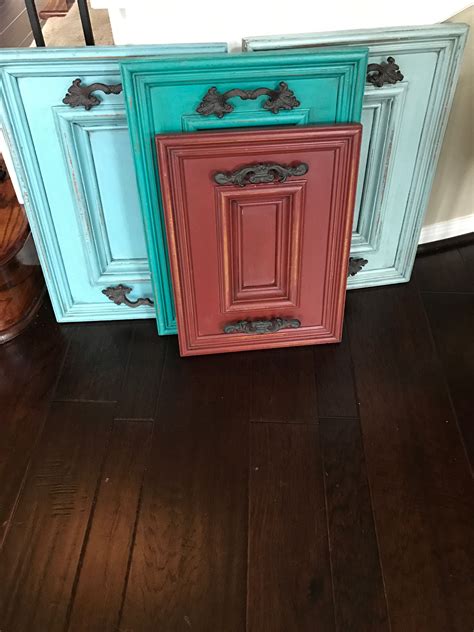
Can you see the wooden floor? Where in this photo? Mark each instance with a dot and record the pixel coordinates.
(311, 489)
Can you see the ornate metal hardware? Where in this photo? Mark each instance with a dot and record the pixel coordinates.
(355, 265)
(261, 326)
(78, 94)
(260, 173)
(118, 295)
(215, 102)
(386, 72)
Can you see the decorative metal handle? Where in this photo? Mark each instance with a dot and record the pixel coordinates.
(118, 295)
(355, 265)
(215, 102)
(260, 173)
(261, 326)
(386, 72)
(78, 94)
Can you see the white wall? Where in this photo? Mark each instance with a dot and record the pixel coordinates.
(451, 207)
(178, 21)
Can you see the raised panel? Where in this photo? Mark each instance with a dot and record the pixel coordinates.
(403, 131)
(382, 120)
(77, 176)
(105, 199)
(296, 282)
(260, 235)
(163, 97)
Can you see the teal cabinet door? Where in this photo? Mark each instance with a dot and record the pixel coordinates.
(77, 174)
(227, 91)
(403, 126)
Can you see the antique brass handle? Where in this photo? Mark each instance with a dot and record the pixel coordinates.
(355, 265)
(118, 295)
(260, 173)
(386, 72)
(215, 102)
(261, 326)
(78, 94)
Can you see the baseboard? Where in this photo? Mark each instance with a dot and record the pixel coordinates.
(449, 228)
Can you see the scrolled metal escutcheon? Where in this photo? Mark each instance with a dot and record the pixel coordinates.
(386, 72)
(78, 94)
(260, 173)
(355, 265)
(118, 295)
(261, 326)
(215, 102)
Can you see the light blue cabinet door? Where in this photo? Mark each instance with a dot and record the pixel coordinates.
(403, 127)
(77, 173)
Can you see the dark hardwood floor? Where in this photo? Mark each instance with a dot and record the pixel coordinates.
(300, 490)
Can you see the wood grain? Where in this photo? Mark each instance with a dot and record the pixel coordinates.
(21, 280)
(357, 577)
(419, 475)
(188, 568)
(289, 581)
(42, 548)
(283, 387)
(140, 388)
(29, 366)
(103, 570)
(95, 363)
(335, 380)
(443, 272)
(451, 318)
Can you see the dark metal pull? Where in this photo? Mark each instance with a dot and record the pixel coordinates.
(386, 72)
(215, 102)
(260, 173)
(355, 265)
(261, 326)
(78, 94)
(118, 295)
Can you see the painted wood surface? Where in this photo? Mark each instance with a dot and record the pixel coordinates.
(403, 125)
(76, 172)
(162, 96)
(261, 250)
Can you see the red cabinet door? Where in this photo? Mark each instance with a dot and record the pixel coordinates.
(259, 226)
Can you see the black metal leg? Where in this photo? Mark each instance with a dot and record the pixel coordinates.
(34, 22)
(86, 22)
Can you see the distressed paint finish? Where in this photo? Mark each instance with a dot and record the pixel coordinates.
(77, 175)
(162, 96)
(404, 125)
(293, 292)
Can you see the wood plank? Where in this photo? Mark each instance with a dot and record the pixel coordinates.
(418, 471)
(451, 318)
(357, 577)
(467, 254)
(140, 388)
(335, 380)
(188, 569)
(95, 363)
(289, 576)
(283, 386)
(29, 366)
(443, 272)
(103, 573)
(42, 548)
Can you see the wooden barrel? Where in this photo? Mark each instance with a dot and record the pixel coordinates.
(21, 281)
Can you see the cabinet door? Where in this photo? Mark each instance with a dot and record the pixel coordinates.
(259, 226)
(77, 174)
(231, 91)
(404, 117)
